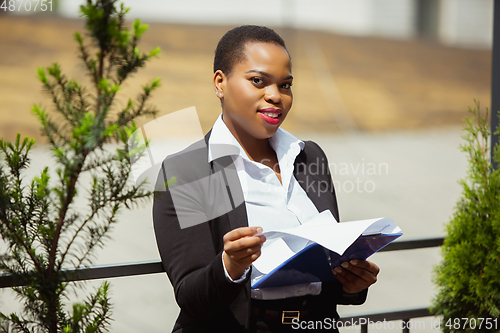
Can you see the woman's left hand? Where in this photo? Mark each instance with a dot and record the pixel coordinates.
(356, 275)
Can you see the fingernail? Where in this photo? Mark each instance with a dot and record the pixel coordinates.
(345, 265)
(338, 269)
(334, 272)
(354, 262)
(259, 230)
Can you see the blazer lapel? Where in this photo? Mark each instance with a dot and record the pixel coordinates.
(225, 175)
(237, 213)
(314, 178)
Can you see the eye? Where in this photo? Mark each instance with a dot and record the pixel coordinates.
(286, 85)
(257, 80)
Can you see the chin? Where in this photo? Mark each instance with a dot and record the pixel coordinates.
(270, 133)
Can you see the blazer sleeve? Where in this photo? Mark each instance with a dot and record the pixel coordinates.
(189, 257)
(332, 292)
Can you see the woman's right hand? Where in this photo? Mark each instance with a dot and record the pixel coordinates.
(241, 249)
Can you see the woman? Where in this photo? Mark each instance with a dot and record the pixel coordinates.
(248, 175)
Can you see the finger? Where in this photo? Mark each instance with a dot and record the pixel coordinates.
(368, 265)
(238, 255)
(347, 284)
(366, 280)
(344, 274)
(360, 272)
(341, 279)
(251, 258)
(241, 233)
(248, 260)
(351, 282)
(242, 244)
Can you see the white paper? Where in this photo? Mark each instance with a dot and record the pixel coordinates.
(322, 229)
(281, 253)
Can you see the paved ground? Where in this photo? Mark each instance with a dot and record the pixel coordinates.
(341, 82)
(415, 183)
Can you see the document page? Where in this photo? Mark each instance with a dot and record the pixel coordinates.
(323, 229)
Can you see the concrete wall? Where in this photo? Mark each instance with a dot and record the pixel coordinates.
(389, 18)
(466, 22)
(460, 22)
(359, 17)
(393, 18)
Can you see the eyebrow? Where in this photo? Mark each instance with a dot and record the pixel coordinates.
(289, 77)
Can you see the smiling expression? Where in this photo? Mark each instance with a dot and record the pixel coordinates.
(256, 95)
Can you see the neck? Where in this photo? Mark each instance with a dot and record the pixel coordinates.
(256, 149)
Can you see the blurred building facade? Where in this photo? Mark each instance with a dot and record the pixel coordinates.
(467, 23)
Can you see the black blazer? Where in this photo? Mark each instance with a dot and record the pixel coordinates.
(191, 255)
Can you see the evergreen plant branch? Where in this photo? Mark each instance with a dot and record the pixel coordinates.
(41, 224)
(468, 277)
(17, 159)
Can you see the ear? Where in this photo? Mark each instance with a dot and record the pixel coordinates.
(219, 83)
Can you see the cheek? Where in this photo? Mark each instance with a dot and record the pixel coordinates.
(245, 94)
(244, 91)
(288, 100)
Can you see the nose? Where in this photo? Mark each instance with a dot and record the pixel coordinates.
(273, 94)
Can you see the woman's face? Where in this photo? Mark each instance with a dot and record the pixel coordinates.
(256, 95)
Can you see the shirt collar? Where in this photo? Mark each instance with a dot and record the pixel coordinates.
(222, 143)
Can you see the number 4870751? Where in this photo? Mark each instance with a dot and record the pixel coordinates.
(472, 323)
(25, 5)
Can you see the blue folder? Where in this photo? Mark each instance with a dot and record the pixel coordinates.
(314, 263)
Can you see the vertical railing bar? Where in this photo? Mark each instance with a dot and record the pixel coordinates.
(406, 325)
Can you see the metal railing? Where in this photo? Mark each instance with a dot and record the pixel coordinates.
(154, 267)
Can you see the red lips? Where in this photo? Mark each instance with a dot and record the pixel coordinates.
(270, 120)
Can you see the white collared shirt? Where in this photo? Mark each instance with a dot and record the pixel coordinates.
(270, 204)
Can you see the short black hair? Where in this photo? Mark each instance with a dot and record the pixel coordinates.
(230, 49)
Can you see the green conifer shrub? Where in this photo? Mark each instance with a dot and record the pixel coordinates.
(468, 277)
(45, 231)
